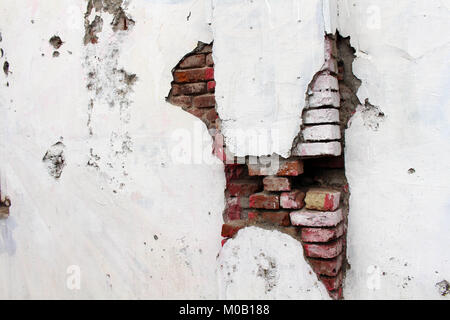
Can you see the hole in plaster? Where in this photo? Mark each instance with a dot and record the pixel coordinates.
(56, 42)
(4, 208)
(55, 160)
(55, 54)
(411, 170)
(311, 182)
(443, 287)
(6, 67)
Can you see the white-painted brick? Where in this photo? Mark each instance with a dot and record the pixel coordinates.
(313, 218)
(322, 132)
(325, 82)
(318, 149)
(321, 116)
(331, 65)
(330, 48)
(325, 98)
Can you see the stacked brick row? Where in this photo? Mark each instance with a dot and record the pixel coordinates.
(193, 85)
(321, 133)
(258, 195)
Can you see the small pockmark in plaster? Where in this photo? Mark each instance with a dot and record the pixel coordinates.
(443, 287)
(6, 68)
(55, 54)
(411, 170)
(56, 42)
(55, 160)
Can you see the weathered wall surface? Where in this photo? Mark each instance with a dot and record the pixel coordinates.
(399, 218)
(90, 151)
(137, 223)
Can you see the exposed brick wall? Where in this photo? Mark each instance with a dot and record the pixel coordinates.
(320, 134)
(298, 202)
(193, 84)
(307, 195)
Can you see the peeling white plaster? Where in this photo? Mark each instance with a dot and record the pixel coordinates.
(266, 52)
(266, 264)
(78, 220)
(398, 232)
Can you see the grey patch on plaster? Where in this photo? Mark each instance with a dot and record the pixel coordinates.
(55, 160)
(120, 22)
(443, 287)
(109, 87)
(372, 115)
(56, 42)
(267, 269)
(92, 29)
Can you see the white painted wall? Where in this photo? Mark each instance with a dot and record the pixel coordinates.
(267, 51)
(399, 222)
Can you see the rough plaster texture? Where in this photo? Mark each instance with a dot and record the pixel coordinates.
(154, 231)
(266, 264)
(158, 235)
(267, 52)
(399, 218)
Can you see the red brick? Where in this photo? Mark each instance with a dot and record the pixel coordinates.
(231, 228)
(211, 86)
(193, 75)
(233, 212)
(195, 61)
(207, 49)
(322, 234)
(209, 60)
(264, 200)
(279, 218)
(322, 199)
(325, 251)
(182, 101)
(336, 294)
(196, 112)
(332, 283)
(243, 187)
(209, 74)
(210, 115)
(234, 171)
(252, 215)
(290, 168)
(189, 88)
(329, 267)
(285, 168)
(312, 218)
(203, 101)
(224, 241)
(276, 184)
(292, 200)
